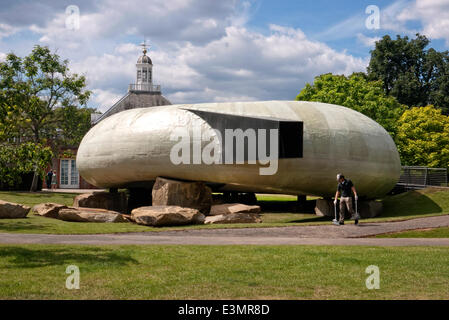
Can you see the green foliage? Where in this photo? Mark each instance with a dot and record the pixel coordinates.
(423, 137)
(74, 124)
(414, 75)
(357, 93)
(32, 89)
(16, 160)
(39, 100)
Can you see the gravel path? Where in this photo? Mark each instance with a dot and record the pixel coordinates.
(298, 235)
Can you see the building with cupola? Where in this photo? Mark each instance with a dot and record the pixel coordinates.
(141, 94)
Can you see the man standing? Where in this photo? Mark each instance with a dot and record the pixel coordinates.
(49, 178)
(345, 189)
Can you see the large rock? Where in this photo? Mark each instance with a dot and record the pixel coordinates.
(90, 215)
(167, 216)
(195, 195)
(228, 208)
(325, 208)
(102, 200)
(366, 209)
(11, 210)
(49, 209)
(370, 209)
(233, 218)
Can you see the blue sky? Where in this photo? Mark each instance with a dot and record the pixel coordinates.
(207, 50)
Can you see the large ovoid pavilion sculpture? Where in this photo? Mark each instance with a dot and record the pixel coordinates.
(204, 142)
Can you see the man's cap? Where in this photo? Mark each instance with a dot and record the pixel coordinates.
(339, 176)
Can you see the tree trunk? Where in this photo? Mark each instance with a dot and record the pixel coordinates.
(35, 181)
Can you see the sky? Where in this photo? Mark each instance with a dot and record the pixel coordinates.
(215, 50)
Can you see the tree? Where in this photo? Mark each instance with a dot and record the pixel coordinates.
(414, 75)
(73, 125)
(38, 99)
(423, 137)
(16, 160)
(357, 93)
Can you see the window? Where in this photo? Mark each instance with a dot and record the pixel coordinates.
(139, 75)
(144, 72)
(64, 172)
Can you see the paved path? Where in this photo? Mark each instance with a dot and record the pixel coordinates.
(299, 235)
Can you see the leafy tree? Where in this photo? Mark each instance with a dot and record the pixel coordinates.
(423, 137)
(38, 99)
(16, 160)
(414, 75)
(357, 93)
(73, 125)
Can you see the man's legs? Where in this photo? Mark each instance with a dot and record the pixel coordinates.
(342, 209)
(350, 208)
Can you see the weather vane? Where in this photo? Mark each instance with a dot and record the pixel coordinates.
(144, 45)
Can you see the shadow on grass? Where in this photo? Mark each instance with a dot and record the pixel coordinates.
(409, 203)
(19, 257)
(19, 225)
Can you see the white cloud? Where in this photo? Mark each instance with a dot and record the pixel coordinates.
(245, 65)
(367, 41)
(355, 26)
(390, 17)
(107, 70)
(201, 51)
(240, 66)
(196, 21)
(7, 30)
(104, 99)
(434, 16)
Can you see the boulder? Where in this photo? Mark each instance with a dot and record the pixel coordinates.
(233, 218)
(11, 210)
(114, 201)
(325, 208)
(228, 208)
(49, 209)
(366, 208)
(90, 215)
(370, 209)
(195, 195)
(166, 216)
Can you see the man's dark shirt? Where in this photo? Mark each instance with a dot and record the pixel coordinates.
(345, 188)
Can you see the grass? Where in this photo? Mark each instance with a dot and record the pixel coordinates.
(222, 272)
(415, 204)
(277, 213)
(33, 198)
(442, 232)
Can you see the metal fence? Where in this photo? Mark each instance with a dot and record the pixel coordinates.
(421, 177)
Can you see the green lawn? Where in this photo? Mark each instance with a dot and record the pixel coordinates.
(223, 272)
(415, 204)
(442, 232)
(33, 198)
(278, 212)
